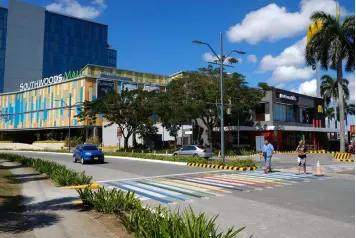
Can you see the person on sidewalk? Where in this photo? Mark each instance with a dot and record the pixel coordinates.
(267, 154)
(302, 156)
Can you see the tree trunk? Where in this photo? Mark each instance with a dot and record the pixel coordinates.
(210, 137)
(126, 142)
(341, 108)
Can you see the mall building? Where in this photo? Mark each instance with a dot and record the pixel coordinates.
(36, 43)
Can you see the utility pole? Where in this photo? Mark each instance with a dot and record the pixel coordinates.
(69, 119)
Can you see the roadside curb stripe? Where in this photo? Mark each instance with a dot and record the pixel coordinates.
(91, 186)
(225, 167)
(343, 157)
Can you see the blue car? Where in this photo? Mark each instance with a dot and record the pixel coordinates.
(88, 153)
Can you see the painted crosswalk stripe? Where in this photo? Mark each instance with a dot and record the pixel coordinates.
(195, 189)
(136, 195)
(215, 184)
(261, 182)
(236, 181)
(142, 193)
(247, 178)
(228, 183)
(174, 189)
(266, 178)
(157, 190)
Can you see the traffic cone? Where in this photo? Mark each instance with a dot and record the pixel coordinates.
(318, 170)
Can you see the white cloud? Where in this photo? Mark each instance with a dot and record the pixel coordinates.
(351, 79)
(274, 22)
(290, 56)
(307, 88)
(252, 59)
(74, 8)
(280, 85)
(287, 73)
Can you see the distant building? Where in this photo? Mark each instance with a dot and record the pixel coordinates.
(36, 43)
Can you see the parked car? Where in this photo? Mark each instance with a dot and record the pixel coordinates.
(88, 153)
(195, 151)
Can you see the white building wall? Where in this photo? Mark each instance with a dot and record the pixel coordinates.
(110, 136)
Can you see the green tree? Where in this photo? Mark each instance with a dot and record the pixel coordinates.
(330, 115)
(329, 90)
(333, 44)
(130, 110)
(349, 109)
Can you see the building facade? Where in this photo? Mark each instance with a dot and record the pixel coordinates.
(43, 43)
(42, 105)
(284, 118)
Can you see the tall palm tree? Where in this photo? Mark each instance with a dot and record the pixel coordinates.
(331, 45)
(330, 115)
(329, 90)
(349, 109)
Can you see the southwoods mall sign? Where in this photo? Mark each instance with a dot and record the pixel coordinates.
(51, 80)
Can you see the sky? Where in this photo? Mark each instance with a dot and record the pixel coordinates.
(155, 36)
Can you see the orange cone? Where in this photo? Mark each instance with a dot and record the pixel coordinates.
(318, 170)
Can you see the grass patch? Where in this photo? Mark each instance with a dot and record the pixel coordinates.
(59, 174)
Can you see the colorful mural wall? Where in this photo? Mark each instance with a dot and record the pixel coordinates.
(46, 107)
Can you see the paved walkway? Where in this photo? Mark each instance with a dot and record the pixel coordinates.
(49, 211)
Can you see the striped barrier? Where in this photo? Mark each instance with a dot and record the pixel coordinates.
(343, 157)
(226, 167)
(309, 151)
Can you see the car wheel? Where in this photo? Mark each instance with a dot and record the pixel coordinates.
(74, 159)
(101, 161)
(195, 155)
(82, 161)
(175, 154)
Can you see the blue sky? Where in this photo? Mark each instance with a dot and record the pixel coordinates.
(155, 35)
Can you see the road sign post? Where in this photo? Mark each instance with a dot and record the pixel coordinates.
(119, 135)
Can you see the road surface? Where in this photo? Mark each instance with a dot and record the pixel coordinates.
(280, 204)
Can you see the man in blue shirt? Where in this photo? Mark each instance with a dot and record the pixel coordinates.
(267, 153)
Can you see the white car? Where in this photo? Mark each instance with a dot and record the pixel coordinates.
(195, 151)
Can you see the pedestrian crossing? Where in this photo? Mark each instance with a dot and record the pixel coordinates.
(334, 168)
(189, 187)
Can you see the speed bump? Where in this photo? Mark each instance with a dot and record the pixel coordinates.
(225, 167)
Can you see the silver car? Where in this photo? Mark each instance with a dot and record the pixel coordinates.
(195, 151)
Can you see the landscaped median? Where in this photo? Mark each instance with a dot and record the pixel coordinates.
(140, 220)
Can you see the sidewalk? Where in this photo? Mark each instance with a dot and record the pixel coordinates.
(48, 211)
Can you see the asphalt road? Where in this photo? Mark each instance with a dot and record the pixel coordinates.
(115, 168)
(281, 204)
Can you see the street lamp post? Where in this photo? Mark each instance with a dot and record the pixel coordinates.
(220, 61)
(69, 106)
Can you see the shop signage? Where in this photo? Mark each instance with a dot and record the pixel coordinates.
(281, 95)
(104, 87)
(50, 80)
(320, 109)
(352, 129)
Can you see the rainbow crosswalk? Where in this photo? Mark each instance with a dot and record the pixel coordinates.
(187, 187)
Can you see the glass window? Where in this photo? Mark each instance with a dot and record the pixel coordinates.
(284, 113)
(90, 147)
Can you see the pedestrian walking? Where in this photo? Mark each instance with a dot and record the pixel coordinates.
(267, 154)
(302, 156)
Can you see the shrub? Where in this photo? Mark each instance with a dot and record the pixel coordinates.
(60, 174)
(49, 141)
(74, 141)
(93, 140)
(145, 222)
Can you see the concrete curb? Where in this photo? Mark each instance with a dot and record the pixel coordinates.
(90, 186)
(107, 156)
(309, 152)
(224, 167)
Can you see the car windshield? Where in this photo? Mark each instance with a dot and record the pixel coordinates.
(90, 147)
